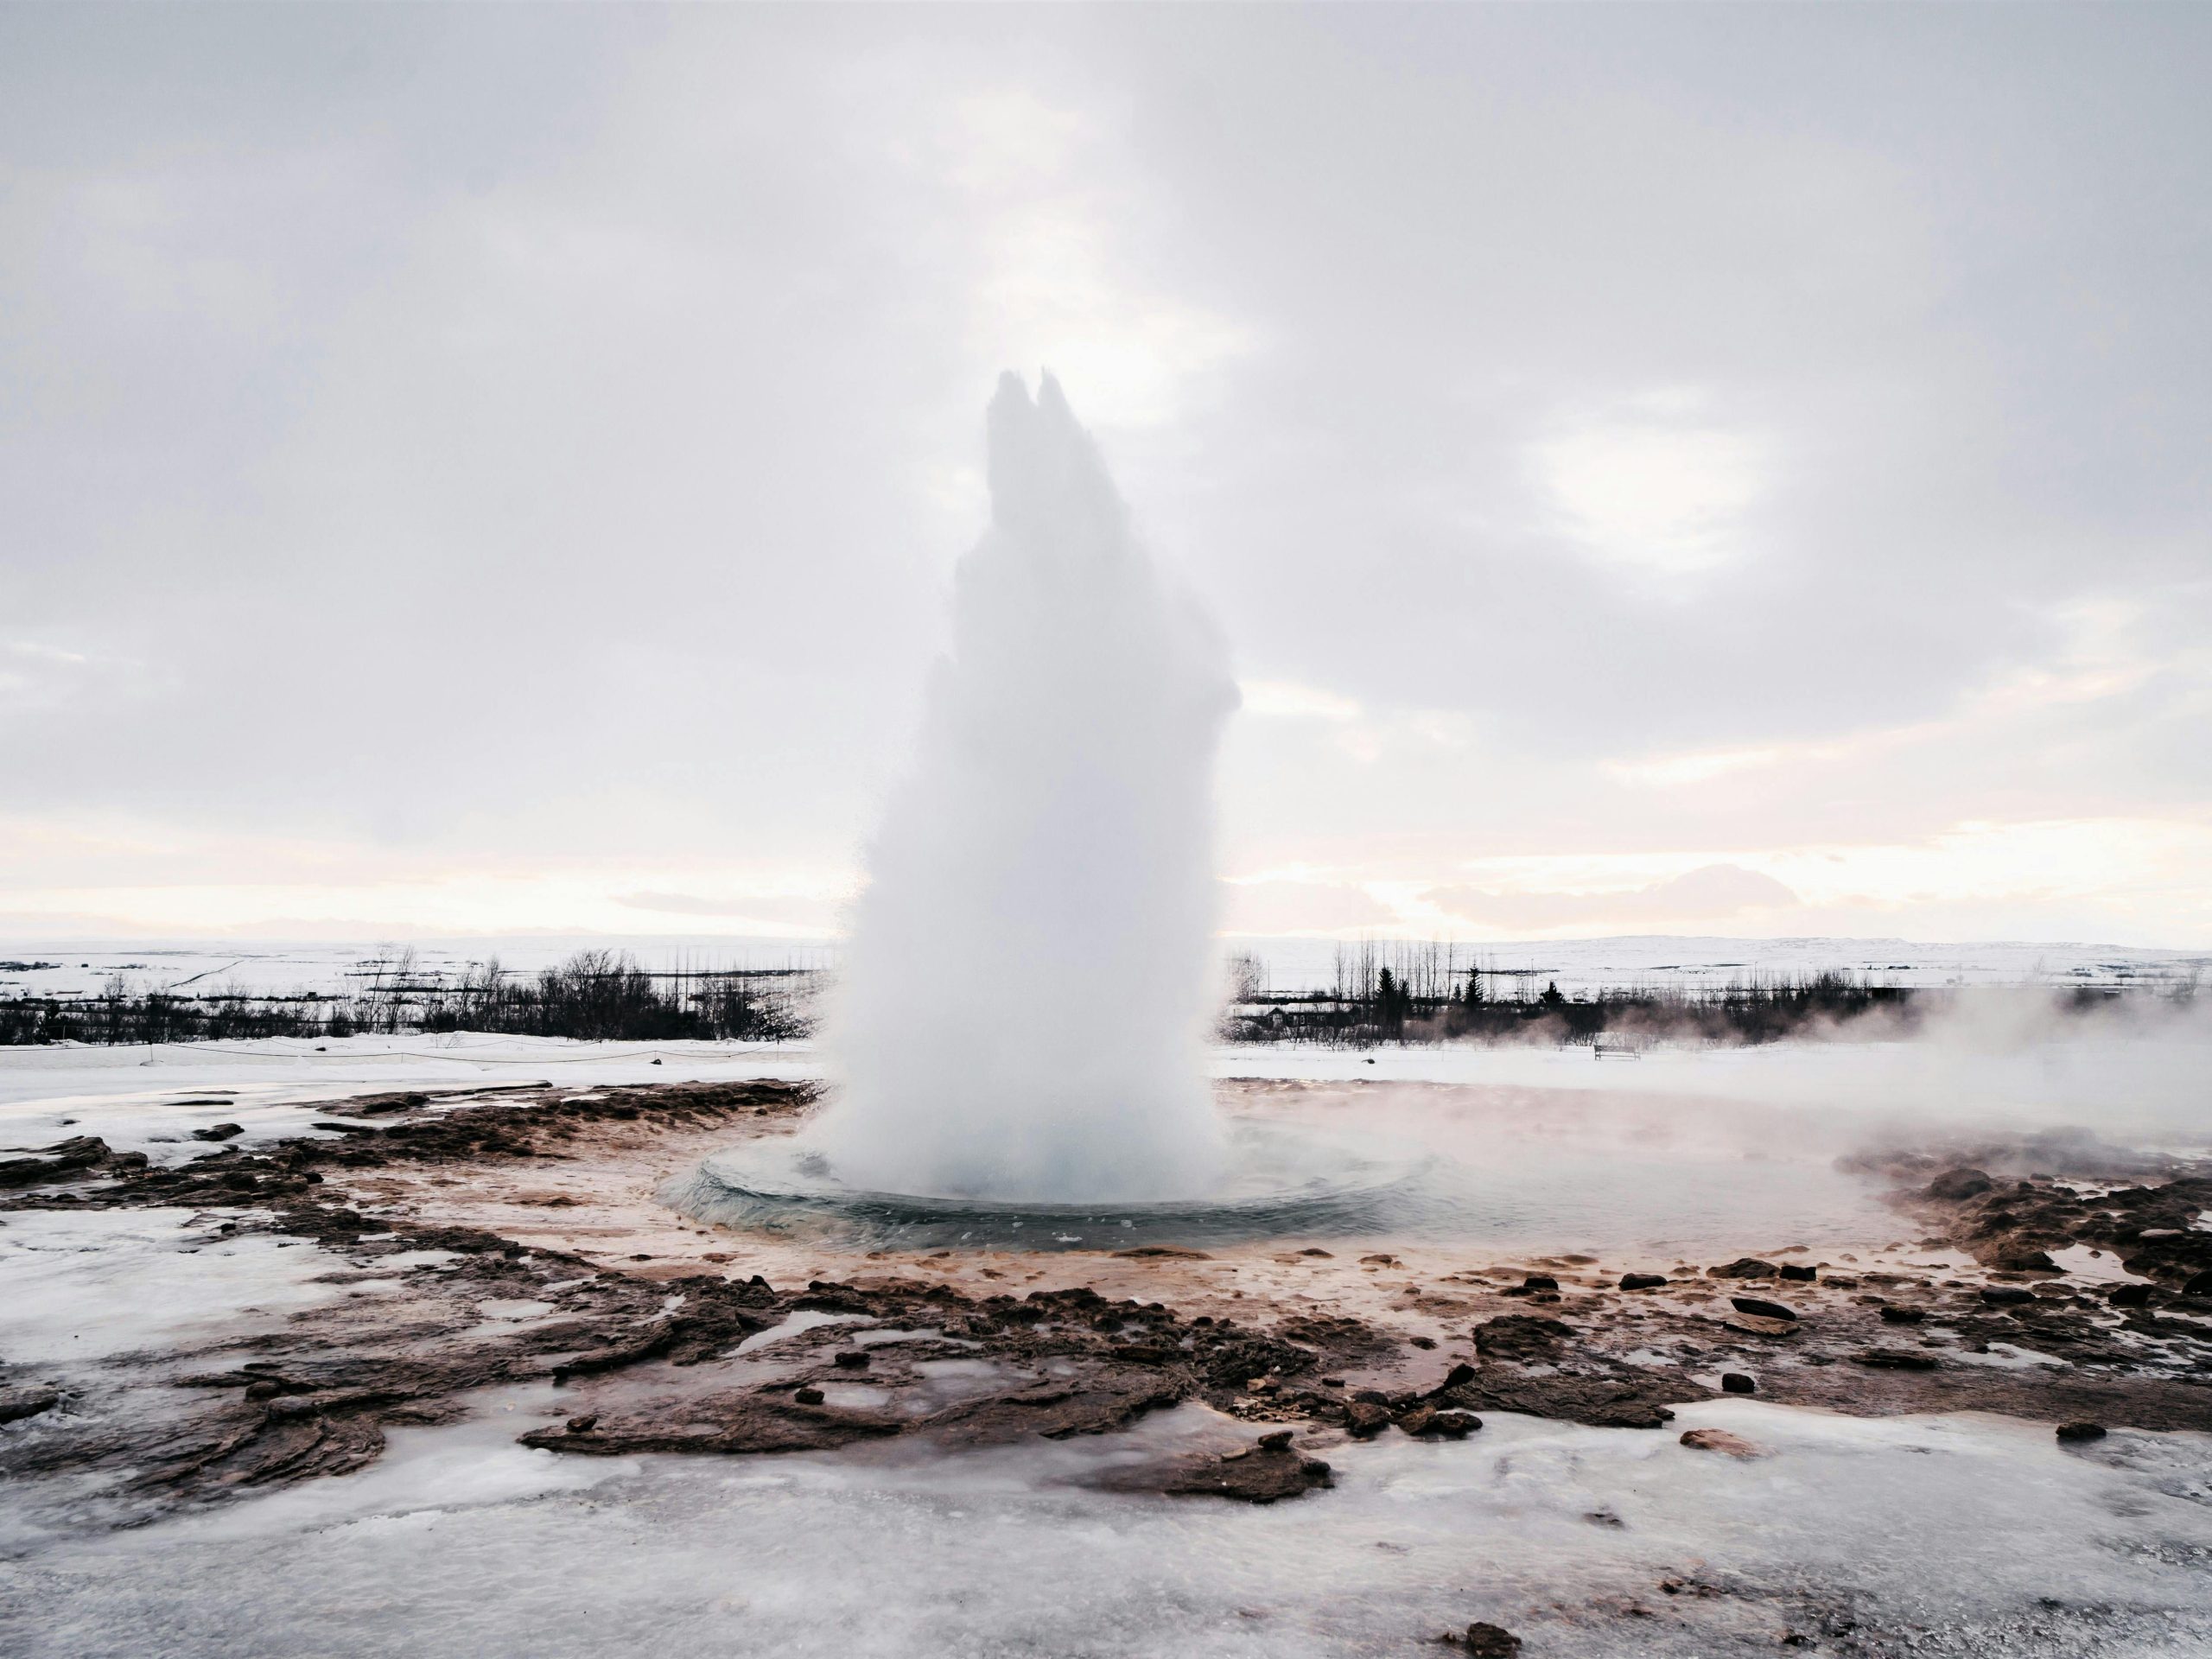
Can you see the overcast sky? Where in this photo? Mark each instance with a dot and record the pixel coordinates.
(1729, 471)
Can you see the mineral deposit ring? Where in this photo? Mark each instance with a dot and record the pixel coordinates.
(1282, 1181)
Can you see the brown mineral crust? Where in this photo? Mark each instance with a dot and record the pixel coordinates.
(1345, 1338)
(316, 1402)
(1604, 1395)
(1487, 1642)
(275, 1451)
(1745, 1268)
(1263, 1474)
(1102, 1397)
(646, 1348)
(1886, 1388)
(731, 1423)
(342, 1371)
(1720, 1439)
(80, 1157)
(2012, 1225)
(1425, 1421)
(17, 1404)
(1522, 1337)
(1760, 1308)
(543, 1126)
(1542, 1367)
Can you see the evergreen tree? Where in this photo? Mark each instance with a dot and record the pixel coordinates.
(1391, 1003)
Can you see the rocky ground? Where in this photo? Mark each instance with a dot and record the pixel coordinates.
(515, 1236)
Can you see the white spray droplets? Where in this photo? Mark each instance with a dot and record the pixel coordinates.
(1022, 1006)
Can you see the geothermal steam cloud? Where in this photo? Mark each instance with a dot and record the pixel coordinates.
(1031, 968)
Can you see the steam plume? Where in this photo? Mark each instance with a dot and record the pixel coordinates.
(1030, 972)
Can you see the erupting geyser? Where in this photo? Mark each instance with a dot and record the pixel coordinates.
(1032, 968)
(1016, 1038)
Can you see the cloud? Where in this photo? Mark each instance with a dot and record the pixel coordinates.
(1714, 892)
(1626, 457)
(1281, 907)
(1650, 492)
(801, 910)
(38, 652)
(1281, 699)
(1664, 771)
(35, 676)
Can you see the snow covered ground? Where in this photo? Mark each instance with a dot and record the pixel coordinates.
(81, 967)
(1977, 1537)
(149, 1099)
(1935, 1535)
(83, 1286)
(1663, 960)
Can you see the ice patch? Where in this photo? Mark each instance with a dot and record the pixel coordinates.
(1950, 1536)
(424, 1474)
(2004, 1356)
(2099, 1266)
(792, 1325)
(406, 1259)
(86, 1286)
(510, 1308)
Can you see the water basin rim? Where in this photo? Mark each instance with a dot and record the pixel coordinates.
(751, 1171)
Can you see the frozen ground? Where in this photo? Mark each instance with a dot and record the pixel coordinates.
(1961, 1535)
(85, 1286)
(1929, 1535)
(1672, 960)
(1551, 1148)
(149, 1099)
(1978, 1537)
(81, 967)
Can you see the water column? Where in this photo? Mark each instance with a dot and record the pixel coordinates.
(1031, 972)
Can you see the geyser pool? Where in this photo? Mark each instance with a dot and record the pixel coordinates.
(1273, 1180)
(1543, 1172)
(1021, 1010)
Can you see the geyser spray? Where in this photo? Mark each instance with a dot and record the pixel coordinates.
(1031, 970)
